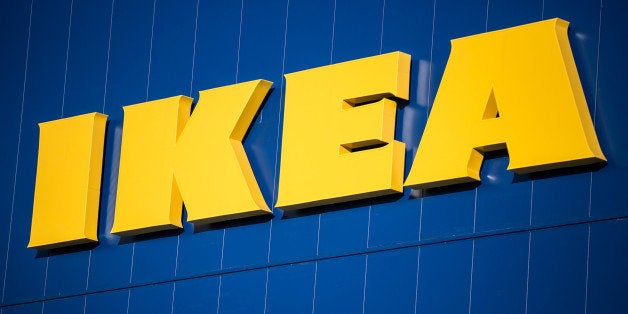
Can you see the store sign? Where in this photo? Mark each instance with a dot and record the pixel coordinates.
(516, 89)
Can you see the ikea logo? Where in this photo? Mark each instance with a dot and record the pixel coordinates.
(516, 89)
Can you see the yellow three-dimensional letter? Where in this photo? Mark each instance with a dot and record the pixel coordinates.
(167, 158)
(516, 88)
(338, 134)
(67, 188)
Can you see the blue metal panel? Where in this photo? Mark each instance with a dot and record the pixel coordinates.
(261, 55)
(107, 302)
(28, 308)
(307, 46)
(609, 184)
(608, 276)
(217, 41)
(503, 202)
(506, 13)
(450, 211)
(128, 55)
(357, 32)
(294, 238)
(249, 244)
(357, 29)
(196, 295)
(214, 66)
(173, 48)
(344, 229)
(500, 247)
(291, 288)
(26, 269)
(558, 266)
(246, 245)
(154, 259)
(87, 57)
(67, 273)
(152, 299)
(198, 252)
(84, 90)
(14, 23)
(403, 214)
(170, 73)
(500, 272)
(340, 285)
(243, 292)
(445, 278)
(391, 281)
(404, 19)
(408, 27)
(567, 197)
(584, 27)
(74, 305)
(293, 235)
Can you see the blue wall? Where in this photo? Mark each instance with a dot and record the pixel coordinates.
(549, 243)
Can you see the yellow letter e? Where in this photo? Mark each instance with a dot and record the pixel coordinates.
(338, 133)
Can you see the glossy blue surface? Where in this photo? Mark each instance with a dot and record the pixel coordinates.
(340, 274)
(608, 276)
(406, 220)
(29, 308)
(25, 271)
(217, 22)
(127, 72)
(14, 20)
(107, 302)
(74, 305)
(356, 33)
(151, 299)
(170, 73)
(504, 201)
(291, 288)
(404, 19)
(262, 29)
(565, 198)
(500, 270)
(391, 281)
(297, 236)
(196, 295)
(558, 268)
(444, 277)
(243, 292)
(199, 253)
(553, 242)
(608, 199)
(85, 85)
(450, 211)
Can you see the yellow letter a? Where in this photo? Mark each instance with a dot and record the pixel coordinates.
(516, 88)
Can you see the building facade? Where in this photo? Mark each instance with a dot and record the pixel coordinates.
(551, 242)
